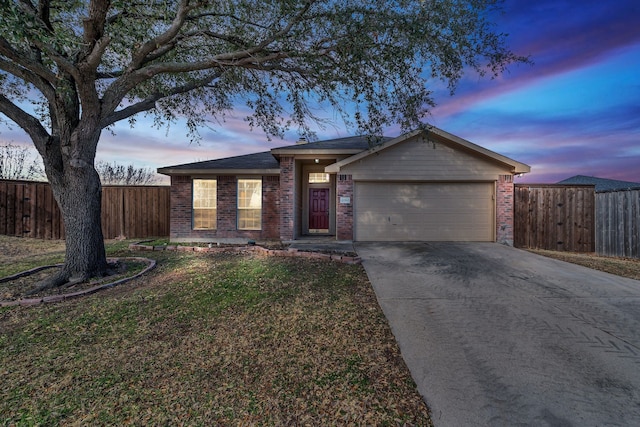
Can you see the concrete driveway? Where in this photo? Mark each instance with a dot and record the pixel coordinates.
(496, 336)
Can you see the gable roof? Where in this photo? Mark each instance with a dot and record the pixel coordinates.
(439, 134)
(257, 163)
(358, 147)
(602, 184)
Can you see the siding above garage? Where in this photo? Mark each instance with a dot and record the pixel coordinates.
(432, 155)
(420, 159)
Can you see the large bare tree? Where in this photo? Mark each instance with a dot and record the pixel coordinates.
(71, 68)
(119, 174)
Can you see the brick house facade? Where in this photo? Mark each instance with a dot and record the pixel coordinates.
(321, 188)
(182, 212)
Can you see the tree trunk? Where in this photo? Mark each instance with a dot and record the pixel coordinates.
(78, 192)
(80, 202)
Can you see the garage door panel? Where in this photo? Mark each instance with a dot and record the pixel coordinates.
(424, 211)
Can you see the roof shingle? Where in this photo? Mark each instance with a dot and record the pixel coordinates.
(602, 184)
(361, 142)
(264, 160)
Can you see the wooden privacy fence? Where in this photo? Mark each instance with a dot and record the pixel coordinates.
(28, 209)
(135, 211)
(618, 223)
(554, 217)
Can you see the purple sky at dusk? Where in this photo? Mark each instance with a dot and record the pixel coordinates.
(576, 110)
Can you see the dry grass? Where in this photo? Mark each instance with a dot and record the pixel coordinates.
(624, 267)
(210, 339)
(18, 254)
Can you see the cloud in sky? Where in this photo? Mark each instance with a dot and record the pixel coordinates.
(577, 110)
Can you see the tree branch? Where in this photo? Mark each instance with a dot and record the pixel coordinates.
(93, 35)
(42, 85)
(233, 39)
(28, 77)
(150, 102)
(27, 122)
(44, 13)
(22, 59)
(160, 52)
(162, 39)
(225, 15)
(62, 62)
(92, 61)
(160, 45)
(146, 104)
(261, 47)
(109, 75)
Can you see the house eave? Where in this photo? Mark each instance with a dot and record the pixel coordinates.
(182, 172)
(516, 167)
(314, 152)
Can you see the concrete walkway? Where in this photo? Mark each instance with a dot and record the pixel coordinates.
(322, 244)
(496, 336)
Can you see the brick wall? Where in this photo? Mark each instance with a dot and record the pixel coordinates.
(181, 188)
(344, 211)
(271, 207)
(227, 191)
(287, 200)
(504, 210)
(227, 206)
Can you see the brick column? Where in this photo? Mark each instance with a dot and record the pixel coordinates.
(181, 189)
(227, 206)
(504, 207)
(287, 198)
(271, 207)
(344, 211)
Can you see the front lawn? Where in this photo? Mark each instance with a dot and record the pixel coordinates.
(209, 339)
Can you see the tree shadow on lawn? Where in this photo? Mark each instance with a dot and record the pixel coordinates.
(22, 288)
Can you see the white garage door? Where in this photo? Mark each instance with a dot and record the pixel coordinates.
(424, 211)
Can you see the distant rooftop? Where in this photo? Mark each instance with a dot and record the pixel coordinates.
(602, 184)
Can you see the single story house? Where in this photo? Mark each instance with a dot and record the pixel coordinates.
(602, 185)
(426, 185)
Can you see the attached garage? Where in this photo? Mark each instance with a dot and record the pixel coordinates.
(427, 186)
(406, 211)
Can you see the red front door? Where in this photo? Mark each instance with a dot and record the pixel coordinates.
(319, 209)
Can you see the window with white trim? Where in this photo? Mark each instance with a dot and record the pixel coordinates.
(249, 204)
(205, 204)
